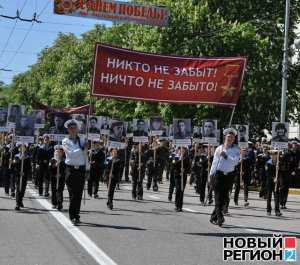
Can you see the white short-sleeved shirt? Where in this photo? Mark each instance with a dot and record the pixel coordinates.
(222, 164)
(75, 156)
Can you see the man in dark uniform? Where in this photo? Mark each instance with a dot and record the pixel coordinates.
(21, 175)
(127, 158)
(285, 172)
(272, 184)
(182, 167)
(150, 169)
(58, 173)
(13, 150)
(6, 172)
(96, 170)
(261, 160)
(44, 153)
(112, 175)
(162, 154)
(173, 158)
(138, 170)
(243, 168)
(199, 170)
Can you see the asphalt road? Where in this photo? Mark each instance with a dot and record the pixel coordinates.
(147, 232)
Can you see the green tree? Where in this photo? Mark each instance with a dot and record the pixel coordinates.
(61, 76)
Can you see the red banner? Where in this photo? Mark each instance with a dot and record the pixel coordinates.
(126, 74)
(117, 11)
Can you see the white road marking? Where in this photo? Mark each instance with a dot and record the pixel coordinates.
(190, 210)
(251, 230)
(154, 197)
(98, 255)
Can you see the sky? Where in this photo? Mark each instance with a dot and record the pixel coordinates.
(20, 42)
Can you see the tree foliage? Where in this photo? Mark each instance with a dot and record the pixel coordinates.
(61, 76)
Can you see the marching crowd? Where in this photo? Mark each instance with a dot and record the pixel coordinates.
(216, 173)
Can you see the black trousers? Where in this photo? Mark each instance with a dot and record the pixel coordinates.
(75, 179)
(6, 179)
(201, 183)
(160, 170)
(246, 184)
(137, 183)
(112, 183)
(20, 187)
(179, 190)
(43, 176)
(270, 190)
(221, 184)
(126, 164)
(122, 166)
(152, 179)
(57, 190)
(171, 185)
(13, 177)
(93, 181)
(284, 187)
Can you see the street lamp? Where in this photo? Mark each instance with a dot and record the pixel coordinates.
(285, 62)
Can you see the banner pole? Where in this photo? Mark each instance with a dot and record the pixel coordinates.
(22, 167)
(140, 147)
(88, 172)
(231, 117)
(181, 151)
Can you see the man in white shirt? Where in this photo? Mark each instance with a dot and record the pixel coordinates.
(226, 157)
(75, 150)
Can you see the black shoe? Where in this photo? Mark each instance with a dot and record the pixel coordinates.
(77, 221)
(47, 195)
(210, 201)
(246, 204)
(13, 195)
(284, 207)
(96, 196)
(213, 221)
(59, 207)
(54, 206)
(109, 205)
(225, 211)
(148, 188)
(140, 198)
(21, 204)
(170, 199)
(155, 188)
(118, 187)
(236, 203)
(220, 222)
(74, 221)
(278, 213)
(17, 208)
(90, 194)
